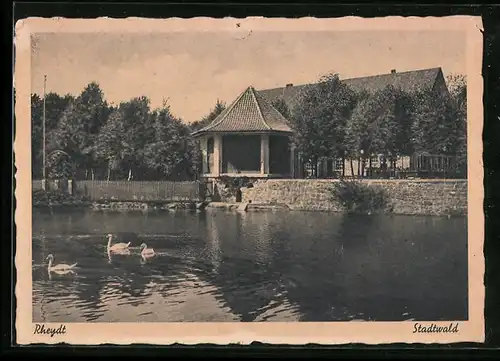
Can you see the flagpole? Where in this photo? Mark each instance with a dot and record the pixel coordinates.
(43, 135)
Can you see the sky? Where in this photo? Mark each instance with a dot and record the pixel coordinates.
(193, 70)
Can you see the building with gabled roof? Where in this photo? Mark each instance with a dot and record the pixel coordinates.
(408, 81)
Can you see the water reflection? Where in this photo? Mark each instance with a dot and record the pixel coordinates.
(255, 266)
(213, 242)
(117, 253)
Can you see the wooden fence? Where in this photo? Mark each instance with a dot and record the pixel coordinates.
(129, 190)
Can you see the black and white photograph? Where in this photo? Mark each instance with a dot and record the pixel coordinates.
(243, 174)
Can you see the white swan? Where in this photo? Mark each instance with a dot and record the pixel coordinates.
(117, 246)
(147, 252)
(59, 268)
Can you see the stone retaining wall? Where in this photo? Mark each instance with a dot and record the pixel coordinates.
(423, 197)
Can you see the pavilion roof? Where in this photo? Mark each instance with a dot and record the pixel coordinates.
(249, 112)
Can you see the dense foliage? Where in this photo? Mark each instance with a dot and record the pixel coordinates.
(42, 199)
(321, 118)
(358, 197)
(332, 120)
(87, 138)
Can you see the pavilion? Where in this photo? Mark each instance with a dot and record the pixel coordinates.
(250, 138)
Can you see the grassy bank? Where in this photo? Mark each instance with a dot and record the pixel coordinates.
(57, 199)
(147, 206)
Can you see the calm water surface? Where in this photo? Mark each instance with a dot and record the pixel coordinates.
(255, 266)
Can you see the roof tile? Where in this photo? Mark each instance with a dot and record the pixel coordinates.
(250, 112)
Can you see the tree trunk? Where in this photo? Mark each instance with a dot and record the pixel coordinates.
(352, 167)
(86, 173)
(359, 164)
(129, 174)
(92, 173)
(370, 167)
(109, 173)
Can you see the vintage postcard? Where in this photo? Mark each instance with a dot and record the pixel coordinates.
(286, 181)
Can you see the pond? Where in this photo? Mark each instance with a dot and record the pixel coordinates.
(254, 266)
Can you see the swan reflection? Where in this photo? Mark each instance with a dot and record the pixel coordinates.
(120, 252)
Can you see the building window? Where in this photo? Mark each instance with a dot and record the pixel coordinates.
(338, 164)
(308, 167)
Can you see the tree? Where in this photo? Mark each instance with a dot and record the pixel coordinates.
(367, 127)
(434, 123)
(110, 147)
(79, 126)
(55, 105)
(168, 154)
(121, 141)
(457, 85)
(59, 165)
(136, 115)
(380, 124)
(36, 136)
(282, 107)
(210, 117)
(400, 143)
(320, 118)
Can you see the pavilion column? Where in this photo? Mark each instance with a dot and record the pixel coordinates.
(264, 154)
(204, 155)
(217, 155)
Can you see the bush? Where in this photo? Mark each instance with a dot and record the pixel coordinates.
(232, 185)
(42, 198)
(358, 197)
